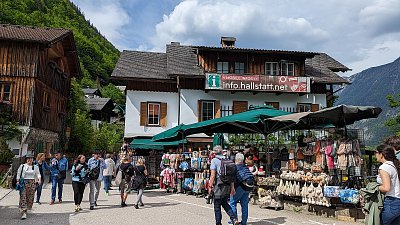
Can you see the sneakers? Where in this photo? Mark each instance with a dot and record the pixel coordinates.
(60, 201)
(136, 206)
(23, 217)
(79, 208)
(123, 204)
(95, 204)
(76, 209)
(107, 194)
(91, 207)
(39, 203)
(51, 203)
(141, 204)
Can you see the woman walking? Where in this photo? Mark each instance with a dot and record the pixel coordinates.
(389, 174)
(27, 177)
(125, 185)
(140, 178)
(42, 164)
(79, 171)
(108, 173)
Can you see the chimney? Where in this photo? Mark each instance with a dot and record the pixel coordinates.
(175, 43)
(228, 42)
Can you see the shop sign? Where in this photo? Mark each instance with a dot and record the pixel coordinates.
(234, 82)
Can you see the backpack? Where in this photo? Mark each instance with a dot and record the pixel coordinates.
(95, 172)
(228, 171)
(246, 178)
(14, 179)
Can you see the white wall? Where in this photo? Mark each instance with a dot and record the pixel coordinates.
(189, 100)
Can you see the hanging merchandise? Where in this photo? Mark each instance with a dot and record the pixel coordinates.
(349, 196)
(332, 191)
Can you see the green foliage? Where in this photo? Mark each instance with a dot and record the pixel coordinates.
(6, 155)
(111, 91)
(109, 137)
(8, 126)
(394, 123)
(81, 139)
(97, 55)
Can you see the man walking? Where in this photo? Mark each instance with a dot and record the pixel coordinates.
(244, 182)
(108, 173)
(96, 166)
(221, 189)
(58, 172)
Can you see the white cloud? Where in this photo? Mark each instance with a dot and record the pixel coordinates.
(108, 16)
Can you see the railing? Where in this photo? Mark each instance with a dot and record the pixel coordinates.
(288, 109)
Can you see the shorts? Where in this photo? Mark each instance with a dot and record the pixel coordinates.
(124, 186)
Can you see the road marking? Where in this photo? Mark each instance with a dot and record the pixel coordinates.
(202, 206)
(315, 222)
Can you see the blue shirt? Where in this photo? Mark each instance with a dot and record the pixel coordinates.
(216, 164)
(78, 175)
(92, 163)
(58, 165)
(42, 167)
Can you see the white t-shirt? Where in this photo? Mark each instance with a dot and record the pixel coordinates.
(389, 167)
(29, 172)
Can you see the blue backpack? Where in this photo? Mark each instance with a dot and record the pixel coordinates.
(245, 178)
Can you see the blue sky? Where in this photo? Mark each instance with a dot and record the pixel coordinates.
(358, 33)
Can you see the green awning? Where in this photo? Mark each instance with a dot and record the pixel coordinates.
(147, 143)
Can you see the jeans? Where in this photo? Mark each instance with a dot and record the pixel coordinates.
(391, 211)
(139, 196)
(217, 209)
(241, 196)
(39, 190)
(94, 191)
(107, 182)
(79, 188)
(54, 182)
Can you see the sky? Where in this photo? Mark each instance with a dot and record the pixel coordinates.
(358, 33)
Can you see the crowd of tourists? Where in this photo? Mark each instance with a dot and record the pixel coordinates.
(30, 178)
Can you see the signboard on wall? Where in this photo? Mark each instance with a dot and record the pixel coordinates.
(234, 82)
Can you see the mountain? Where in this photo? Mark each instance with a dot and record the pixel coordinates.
(370, 87)
(97, 55)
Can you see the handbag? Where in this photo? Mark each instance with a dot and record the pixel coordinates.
(61, 174)
(21, 184)
(86, 180)
(118, 178)
(138, 181)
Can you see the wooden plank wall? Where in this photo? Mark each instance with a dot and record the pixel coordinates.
(254, 63)
(18, 59)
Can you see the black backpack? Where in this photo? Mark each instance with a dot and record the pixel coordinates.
(228, 171)
(95, 172)
(14, 180)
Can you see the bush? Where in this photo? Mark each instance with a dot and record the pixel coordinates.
(6, 155)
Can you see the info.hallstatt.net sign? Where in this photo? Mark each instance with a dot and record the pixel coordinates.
(236, 82)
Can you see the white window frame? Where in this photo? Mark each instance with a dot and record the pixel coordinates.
(202, 110)
(221, 67)
(239, 69)
(269, 69)
(149, 108)
(286, 71)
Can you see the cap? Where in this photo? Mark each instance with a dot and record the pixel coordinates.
(29, 156)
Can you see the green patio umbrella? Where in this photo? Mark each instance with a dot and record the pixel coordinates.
(147, 143)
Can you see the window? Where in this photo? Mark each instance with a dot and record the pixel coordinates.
(46, 100)
(271, 68)
(59, 106)
(5, 92)
(304, 107)
(288, 69)
(222, 67)
(239, 68)
(207, 110)
(153, 114)
(275, 105)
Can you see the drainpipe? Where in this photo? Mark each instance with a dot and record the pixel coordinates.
(178, 85)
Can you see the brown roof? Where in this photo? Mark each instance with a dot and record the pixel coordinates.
(32, 34)
(182, 60)
(137, 64)
(98, 103)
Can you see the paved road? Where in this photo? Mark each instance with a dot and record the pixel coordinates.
(160, 209)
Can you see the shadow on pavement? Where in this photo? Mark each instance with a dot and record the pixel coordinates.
(270, 221)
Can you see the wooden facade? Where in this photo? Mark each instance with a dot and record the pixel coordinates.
(39, 75)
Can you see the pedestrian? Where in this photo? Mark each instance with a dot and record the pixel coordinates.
(27, 176)
(79, 172)
(140, 181)
(242, 194)
(96, 166)
(127, 173)
(108, 173)
(42, 165)
(221, 190)
(394, 141)
(389, 174)
(58, 169)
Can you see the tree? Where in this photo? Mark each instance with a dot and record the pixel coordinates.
(8, 131)
(111, 91)
(394, 123)
(108, 137)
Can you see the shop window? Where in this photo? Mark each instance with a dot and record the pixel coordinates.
(208, 109)
(5, 92)
(222, 67)
(288, 69)
(275, 105)
(239, 68)
(153, 114)
(271, 68)
(304, 107)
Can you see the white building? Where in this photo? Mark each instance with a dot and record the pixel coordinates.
(188, 84)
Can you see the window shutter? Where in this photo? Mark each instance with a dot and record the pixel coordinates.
(314, 107)
(217, 109)
(199, 110)
(163, 113)
(143, 113)
(240, 106)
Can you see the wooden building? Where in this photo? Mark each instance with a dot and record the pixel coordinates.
(36, 67)
(187, 84)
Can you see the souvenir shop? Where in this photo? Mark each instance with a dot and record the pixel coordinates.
(325, 170)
